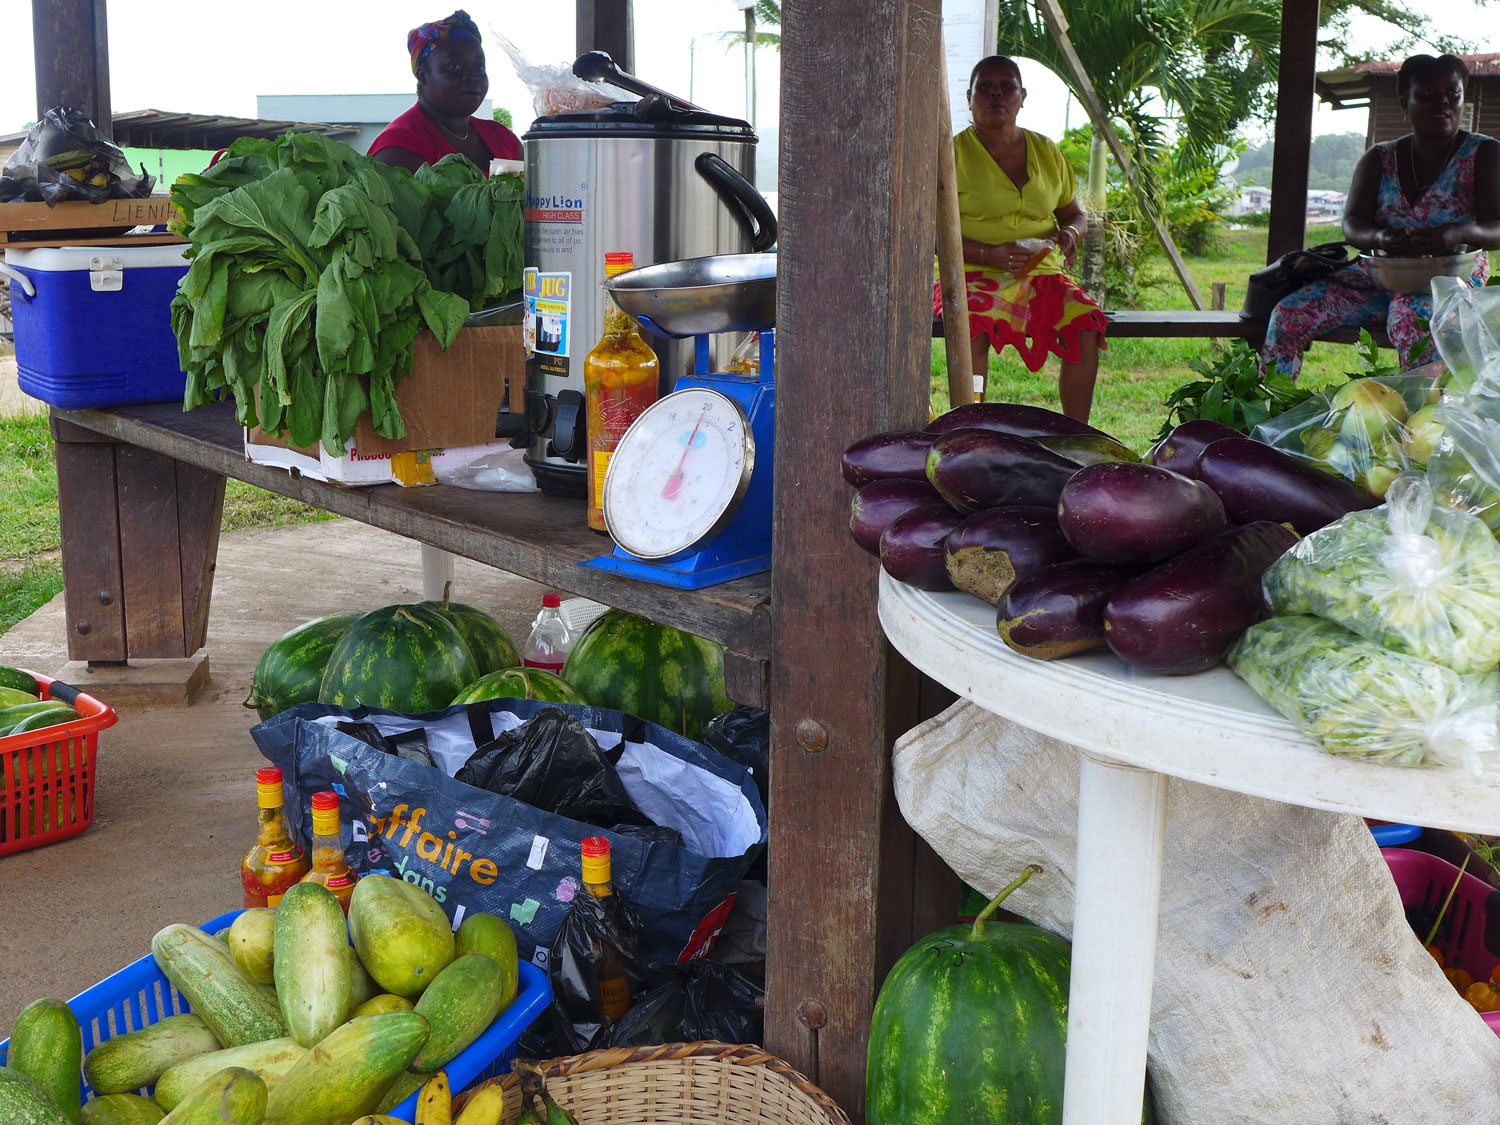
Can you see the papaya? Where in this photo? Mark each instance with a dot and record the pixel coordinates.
(400, 932)
(459, 1004)
(344, 1076)
(251, 942)
(231, 1097)
(385, 1002)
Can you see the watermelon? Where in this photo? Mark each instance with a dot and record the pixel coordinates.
(520, 683)
(971, 1025)
(652, 671)
(406, 658)
(487, 639)
(290, 671)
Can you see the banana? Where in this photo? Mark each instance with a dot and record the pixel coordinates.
(435, 1101)
(484, 1107)
(556, 1115)
(529, 1116)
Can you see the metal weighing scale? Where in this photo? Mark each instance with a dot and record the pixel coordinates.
(687, 496)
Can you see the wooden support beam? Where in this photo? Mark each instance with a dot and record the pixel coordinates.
(857, 213)
(71, 46)
(1295, 91)
(608, 25)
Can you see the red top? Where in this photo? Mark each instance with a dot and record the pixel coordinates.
(268, 775)
(595, 846)
(414, 132)
(327, 799)
(552, 600)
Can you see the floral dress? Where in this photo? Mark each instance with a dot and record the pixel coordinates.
(1353, 297)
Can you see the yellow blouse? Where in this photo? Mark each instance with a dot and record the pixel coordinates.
(992, 210)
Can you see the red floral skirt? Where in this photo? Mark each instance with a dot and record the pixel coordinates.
(1037, 315)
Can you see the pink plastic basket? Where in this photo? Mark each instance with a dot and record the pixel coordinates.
(1470, 934)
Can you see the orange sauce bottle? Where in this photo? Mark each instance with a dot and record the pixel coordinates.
(614, 986)
(328, 865)
(619, 381)
(274, 862)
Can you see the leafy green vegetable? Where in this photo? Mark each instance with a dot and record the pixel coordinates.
(313, 270)
(1235, 389)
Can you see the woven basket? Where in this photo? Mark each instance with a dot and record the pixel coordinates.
(697, 1083)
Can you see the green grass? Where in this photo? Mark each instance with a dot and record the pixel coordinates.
(1137, 375)
(30, 573)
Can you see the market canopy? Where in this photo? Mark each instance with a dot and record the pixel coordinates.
(160, 128)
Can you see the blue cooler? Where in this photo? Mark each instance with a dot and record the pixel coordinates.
(97, 332)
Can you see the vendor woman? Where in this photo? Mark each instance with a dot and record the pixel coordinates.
(451, 82)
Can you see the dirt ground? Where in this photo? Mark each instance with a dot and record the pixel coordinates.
(174, 805)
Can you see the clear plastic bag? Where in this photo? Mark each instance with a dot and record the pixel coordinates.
(1366, 430)
(1414, 577)
(64, 157)
(500, 470)
(555, 88)
(1465, 328)
(1359, 700)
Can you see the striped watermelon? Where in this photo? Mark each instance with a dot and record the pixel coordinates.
(487, 639)
(520, 683)
(971, 1025)
(652, 671)
(406, 658)
(290, 671)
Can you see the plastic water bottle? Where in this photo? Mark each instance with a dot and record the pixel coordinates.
(548, 643)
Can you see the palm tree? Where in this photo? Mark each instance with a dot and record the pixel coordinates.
(1207, 63)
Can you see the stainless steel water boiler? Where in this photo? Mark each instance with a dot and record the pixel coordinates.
(652, 177)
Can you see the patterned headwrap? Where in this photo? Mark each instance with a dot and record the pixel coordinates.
(421, 40)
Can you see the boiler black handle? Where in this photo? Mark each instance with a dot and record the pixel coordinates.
(746, 204)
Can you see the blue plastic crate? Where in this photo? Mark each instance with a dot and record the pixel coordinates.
(96, 337)
(140, 994)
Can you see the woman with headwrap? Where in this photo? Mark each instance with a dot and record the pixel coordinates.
(451, 82)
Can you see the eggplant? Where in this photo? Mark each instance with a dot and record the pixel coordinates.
(877, 504)
(1258, 482)
(895, 455)
(1011, 418)
(1086, 449)
(1184, 615)
(911, 548)
(979, 469)
(1119, 513)
(1059, 609)
(1180, 449)
(990, 551)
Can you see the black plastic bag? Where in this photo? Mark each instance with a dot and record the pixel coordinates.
(65, 157)
(553, 764)
(744, 736)
(410, 744)
(593, 931)
(694, 1001)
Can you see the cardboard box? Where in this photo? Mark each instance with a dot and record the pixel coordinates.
(448, 402)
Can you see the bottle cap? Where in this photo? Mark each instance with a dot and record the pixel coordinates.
(595, 846)
(551, 601)
(596, 862)
(325, 813)
(618, 261)
(327, 799)
(268, 787)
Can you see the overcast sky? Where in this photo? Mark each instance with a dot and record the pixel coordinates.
(212, 57)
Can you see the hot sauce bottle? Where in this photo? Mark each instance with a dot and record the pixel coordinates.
(274, 863)
(614, 986)
(328, 865)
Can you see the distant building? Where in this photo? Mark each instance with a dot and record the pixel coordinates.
(1325, 202)
(368, 114)
(1252, 199)
(1373, 84)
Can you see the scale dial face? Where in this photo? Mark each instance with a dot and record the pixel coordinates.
(678, 474)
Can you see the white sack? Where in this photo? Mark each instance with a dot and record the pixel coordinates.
(1289, 987)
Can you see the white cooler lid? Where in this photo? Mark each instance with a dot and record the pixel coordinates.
(63, 259)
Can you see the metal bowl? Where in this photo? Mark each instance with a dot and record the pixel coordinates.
(1398, 274)
(698, 296)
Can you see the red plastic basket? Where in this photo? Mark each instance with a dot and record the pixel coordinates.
(47, 775)
(1470, 935)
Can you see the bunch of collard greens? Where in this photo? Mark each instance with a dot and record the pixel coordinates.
(314, 268)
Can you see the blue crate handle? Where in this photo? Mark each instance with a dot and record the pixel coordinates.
(1389, 835)
(139, 994)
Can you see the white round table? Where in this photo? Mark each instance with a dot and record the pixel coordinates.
(1134, 731)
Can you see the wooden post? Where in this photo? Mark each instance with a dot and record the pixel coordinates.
(1295, 91)
(962, 386)
(608, 25)
(71, 46)
(857, 211)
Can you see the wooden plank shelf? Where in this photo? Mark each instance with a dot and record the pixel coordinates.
(539, 537)
(89, 224)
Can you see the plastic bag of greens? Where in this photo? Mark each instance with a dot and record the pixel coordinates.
(1465, 329)
(1413, 577)
(1366, 430)
(1363, 701)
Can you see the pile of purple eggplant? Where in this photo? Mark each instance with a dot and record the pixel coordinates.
(1077, 542)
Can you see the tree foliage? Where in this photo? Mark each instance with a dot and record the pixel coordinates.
(1330, 163)
(767, 27)
(1411, 23)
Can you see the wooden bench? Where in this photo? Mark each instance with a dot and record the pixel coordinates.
(1213, 323)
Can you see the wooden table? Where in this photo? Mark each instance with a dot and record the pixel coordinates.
(136, 482)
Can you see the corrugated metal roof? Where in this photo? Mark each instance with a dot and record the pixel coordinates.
(1350, 87)
(158, 128)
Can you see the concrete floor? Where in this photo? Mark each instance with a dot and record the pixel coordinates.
(174, 806)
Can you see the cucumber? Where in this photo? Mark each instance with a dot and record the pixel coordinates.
(362, 985)
(138, 1058)
(462, 1000)
(121, 1109)
(311, 962)
(250, 942)
(271, 1060)
(25, 716)
(13, 697)
(55, 716)
(20, 679)
(345, 1076)
(46, 1045)
(385, 1002)
(407, 1083)
(232, 1097)
(24, 1102)
(490, 934)
(235, 1008)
